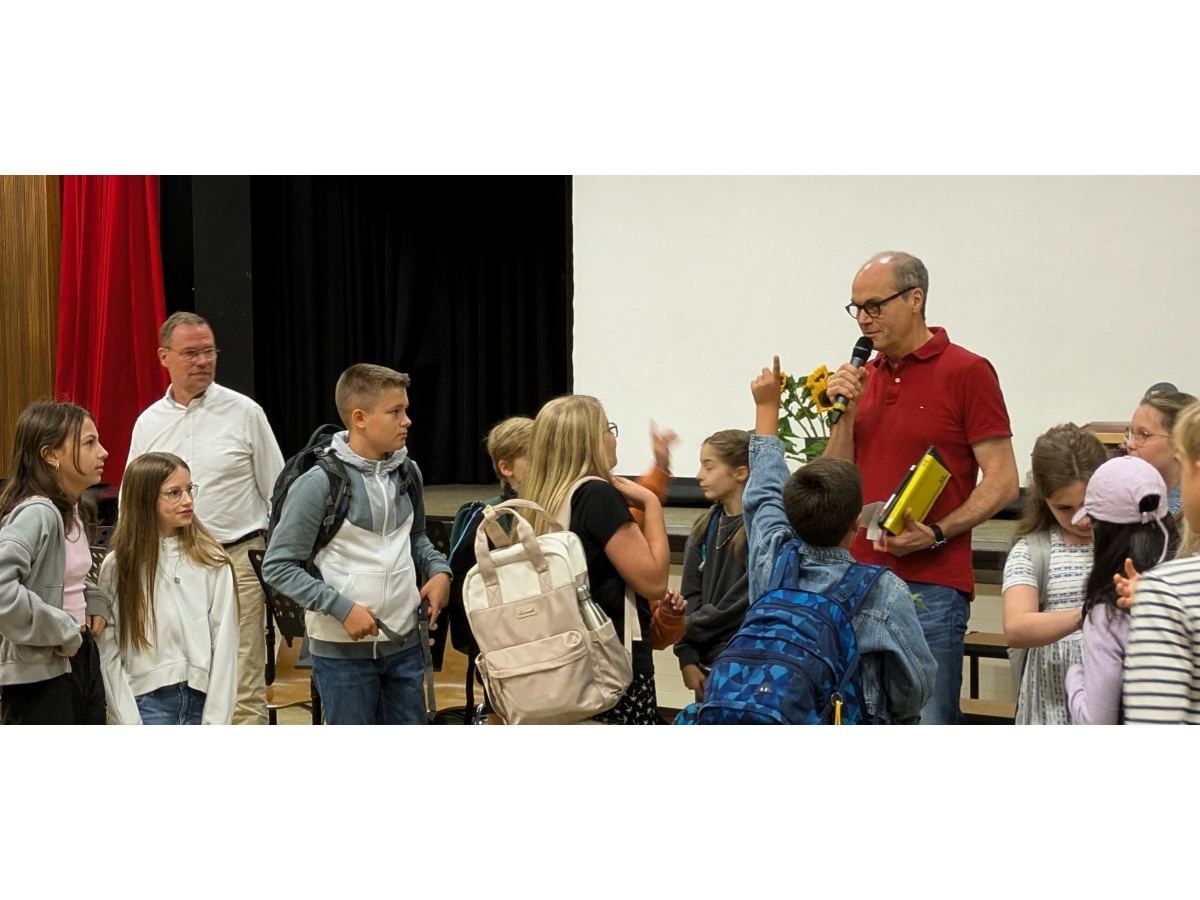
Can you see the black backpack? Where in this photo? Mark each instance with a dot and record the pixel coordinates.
(318, 452)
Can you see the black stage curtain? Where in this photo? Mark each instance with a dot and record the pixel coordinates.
(463, 283)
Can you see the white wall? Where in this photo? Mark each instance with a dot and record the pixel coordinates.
(1081, 291)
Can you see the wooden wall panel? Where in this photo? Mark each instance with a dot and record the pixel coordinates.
(30, 250)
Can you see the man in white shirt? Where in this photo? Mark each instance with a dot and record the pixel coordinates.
(227, 442)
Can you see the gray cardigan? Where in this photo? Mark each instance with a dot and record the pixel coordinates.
(33, 560)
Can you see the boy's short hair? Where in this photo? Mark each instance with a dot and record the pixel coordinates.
(822, 500)
(509, 440)
(361, 386)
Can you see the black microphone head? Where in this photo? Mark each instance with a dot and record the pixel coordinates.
(862, 351)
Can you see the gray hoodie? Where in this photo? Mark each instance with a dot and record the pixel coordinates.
(33, 560)
(377, 503)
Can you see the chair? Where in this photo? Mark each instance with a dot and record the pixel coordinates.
(287, 685)
(291, 686)
(99, 550)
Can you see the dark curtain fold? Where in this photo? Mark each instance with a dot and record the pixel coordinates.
(110, 304)
(463, 283)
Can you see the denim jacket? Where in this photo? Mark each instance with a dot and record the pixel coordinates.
(895, 658)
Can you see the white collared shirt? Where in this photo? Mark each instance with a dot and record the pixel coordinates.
(225, 439)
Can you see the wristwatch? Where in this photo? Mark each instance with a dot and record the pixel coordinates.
(939, 539)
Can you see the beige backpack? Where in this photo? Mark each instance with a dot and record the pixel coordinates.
(543, 657)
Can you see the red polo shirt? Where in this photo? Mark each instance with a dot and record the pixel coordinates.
(940, 394)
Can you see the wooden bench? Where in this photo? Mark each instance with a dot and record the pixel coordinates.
(988, 712)
(975, 711)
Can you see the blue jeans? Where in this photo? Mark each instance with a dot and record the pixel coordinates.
(944, 623)
(175, 704)
(384, 691)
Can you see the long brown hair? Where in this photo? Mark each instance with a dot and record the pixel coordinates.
(47, 425)
(135, 546)
(1062, 456)
(567, 443)
(732, 447)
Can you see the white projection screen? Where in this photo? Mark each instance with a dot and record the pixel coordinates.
(1082, 291)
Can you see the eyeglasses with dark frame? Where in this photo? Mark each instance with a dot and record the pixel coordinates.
(612, 429)
(873, 308)
(192, 355)
(175, 494)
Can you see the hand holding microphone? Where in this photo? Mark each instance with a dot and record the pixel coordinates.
(846, 384)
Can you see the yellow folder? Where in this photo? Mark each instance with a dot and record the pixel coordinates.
(918, 491)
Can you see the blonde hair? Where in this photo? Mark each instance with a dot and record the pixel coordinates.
(1185, 435)
(567, 443)
(361, 386)
(135, 543)
(507, 441)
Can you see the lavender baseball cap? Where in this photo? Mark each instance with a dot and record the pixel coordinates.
(1117, 493)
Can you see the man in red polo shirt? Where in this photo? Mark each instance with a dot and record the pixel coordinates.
(921, 390)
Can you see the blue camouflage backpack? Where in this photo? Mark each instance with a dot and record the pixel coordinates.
(795, 659)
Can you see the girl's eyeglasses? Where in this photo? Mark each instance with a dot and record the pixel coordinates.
(175, 494)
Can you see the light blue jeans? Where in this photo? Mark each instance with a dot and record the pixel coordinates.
(175, 704)
(944, 623)
(384, 691)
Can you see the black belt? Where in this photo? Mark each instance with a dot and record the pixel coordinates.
(258, 532)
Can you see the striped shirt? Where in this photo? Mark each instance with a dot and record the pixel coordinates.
(1162, 658)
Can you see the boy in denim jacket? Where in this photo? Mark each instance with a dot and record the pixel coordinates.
(821, 504)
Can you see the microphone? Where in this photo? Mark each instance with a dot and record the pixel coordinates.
(858, 358)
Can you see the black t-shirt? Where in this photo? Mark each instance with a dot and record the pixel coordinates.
(597, 511)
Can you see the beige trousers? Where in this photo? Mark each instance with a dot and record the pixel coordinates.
(251, 706)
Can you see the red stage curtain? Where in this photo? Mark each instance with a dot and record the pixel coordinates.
(111, 304)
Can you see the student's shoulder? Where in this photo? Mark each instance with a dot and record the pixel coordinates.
(597, 492)
(314, 484)
(1179, 576)
(32, 519)
(889, 590)
(600, 499)
(414, 472)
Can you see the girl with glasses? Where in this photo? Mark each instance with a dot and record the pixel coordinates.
(1149, 437)
(571, 439)
(49, 612)
(170, 657)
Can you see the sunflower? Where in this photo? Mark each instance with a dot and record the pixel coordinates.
(815, 384)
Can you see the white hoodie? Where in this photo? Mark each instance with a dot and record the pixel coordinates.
(195, 638)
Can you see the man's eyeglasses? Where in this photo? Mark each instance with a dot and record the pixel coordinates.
(874, 307)
(612, 429)
(192, 355)
(175, 494)
(1140, 436)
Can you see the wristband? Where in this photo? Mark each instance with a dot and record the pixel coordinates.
(939, 539)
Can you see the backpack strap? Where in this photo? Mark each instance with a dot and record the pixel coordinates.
(854, 586)
(633, 626)
(714, 519)
(1039, 556)
(426, 652)
(337, 503)
(849, 594)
